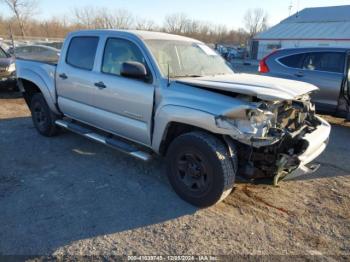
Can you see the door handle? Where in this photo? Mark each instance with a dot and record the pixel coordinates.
(100, 85)
(63, 76)
(299, 74)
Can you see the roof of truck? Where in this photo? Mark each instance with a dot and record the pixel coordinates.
(145, 35)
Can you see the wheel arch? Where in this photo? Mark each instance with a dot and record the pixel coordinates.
(173, 121)
(31, 83)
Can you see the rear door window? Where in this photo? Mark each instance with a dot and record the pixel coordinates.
(82, 51)
(325, 61)
(294, 61)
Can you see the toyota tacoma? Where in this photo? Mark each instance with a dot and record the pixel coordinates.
(148, 93)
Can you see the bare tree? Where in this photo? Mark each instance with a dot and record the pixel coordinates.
(55, 27)
(84, 16)
(94, 18)
(255, 21)
(145, 24)
(89, 17)
(221, 33)
(123, 19)
(22, 10)
(2, 25)
(176, 23)
(103, 19)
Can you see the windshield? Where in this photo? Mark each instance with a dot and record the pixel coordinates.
(187, 59)
(2, 54)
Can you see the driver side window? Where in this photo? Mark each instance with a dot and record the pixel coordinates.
(118, 51)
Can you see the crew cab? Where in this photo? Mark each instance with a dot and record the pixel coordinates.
(149, 93)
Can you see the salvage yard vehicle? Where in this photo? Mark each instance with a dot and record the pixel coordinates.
(7, 70)
(326, 67)
(37, 52)
(148, 93)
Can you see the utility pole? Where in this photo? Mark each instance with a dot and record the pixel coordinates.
(298, 6)
(290, 7)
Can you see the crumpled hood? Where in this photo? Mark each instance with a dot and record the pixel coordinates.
(263, 87)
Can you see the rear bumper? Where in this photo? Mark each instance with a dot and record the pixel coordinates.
(317, 141)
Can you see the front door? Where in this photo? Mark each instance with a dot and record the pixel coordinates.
(123, 105)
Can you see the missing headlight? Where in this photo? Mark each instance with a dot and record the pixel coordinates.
(256, 124)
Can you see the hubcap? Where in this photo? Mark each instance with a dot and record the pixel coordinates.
(40, 115)
(192, 172)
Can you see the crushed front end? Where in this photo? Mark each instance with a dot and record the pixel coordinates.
(277, 140)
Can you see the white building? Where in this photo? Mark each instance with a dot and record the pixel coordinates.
(312, 27)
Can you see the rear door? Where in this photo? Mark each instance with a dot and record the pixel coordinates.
(123, 105)
(75, 78)
(326, 71)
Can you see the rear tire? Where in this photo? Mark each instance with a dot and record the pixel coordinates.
(43, 118)
(200, 168)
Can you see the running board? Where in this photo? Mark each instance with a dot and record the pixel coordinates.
(113, 142)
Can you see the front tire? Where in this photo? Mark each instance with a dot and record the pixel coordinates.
(43, 118)
(200, 168)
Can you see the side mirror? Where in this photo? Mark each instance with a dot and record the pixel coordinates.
(133, 70)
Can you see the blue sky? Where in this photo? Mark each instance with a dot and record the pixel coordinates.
(228, 12)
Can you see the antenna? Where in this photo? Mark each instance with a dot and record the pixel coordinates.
(168, 75)
(290, 7)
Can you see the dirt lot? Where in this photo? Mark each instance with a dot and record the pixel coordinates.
(67, 195)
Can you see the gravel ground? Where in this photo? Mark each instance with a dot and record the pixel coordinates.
(69, 196)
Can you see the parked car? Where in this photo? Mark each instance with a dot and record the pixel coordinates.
(7, 70)
(37, 52)
(327, 68)
(148, 93)
(57, 45)
(5, 47)
(222, 50)
(54, 44)
(232, 54)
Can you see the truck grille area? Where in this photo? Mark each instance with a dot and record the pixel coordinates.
(265, 162)
(291, 116)
(293, 121)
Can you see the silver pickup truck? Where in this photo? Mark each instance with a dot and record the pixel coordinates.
(148, 93)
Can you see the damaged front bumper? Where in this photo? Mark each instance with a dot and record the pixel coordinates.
(317, 143)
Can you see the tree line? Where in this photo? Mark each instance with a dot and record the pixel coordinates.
(22, 23)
